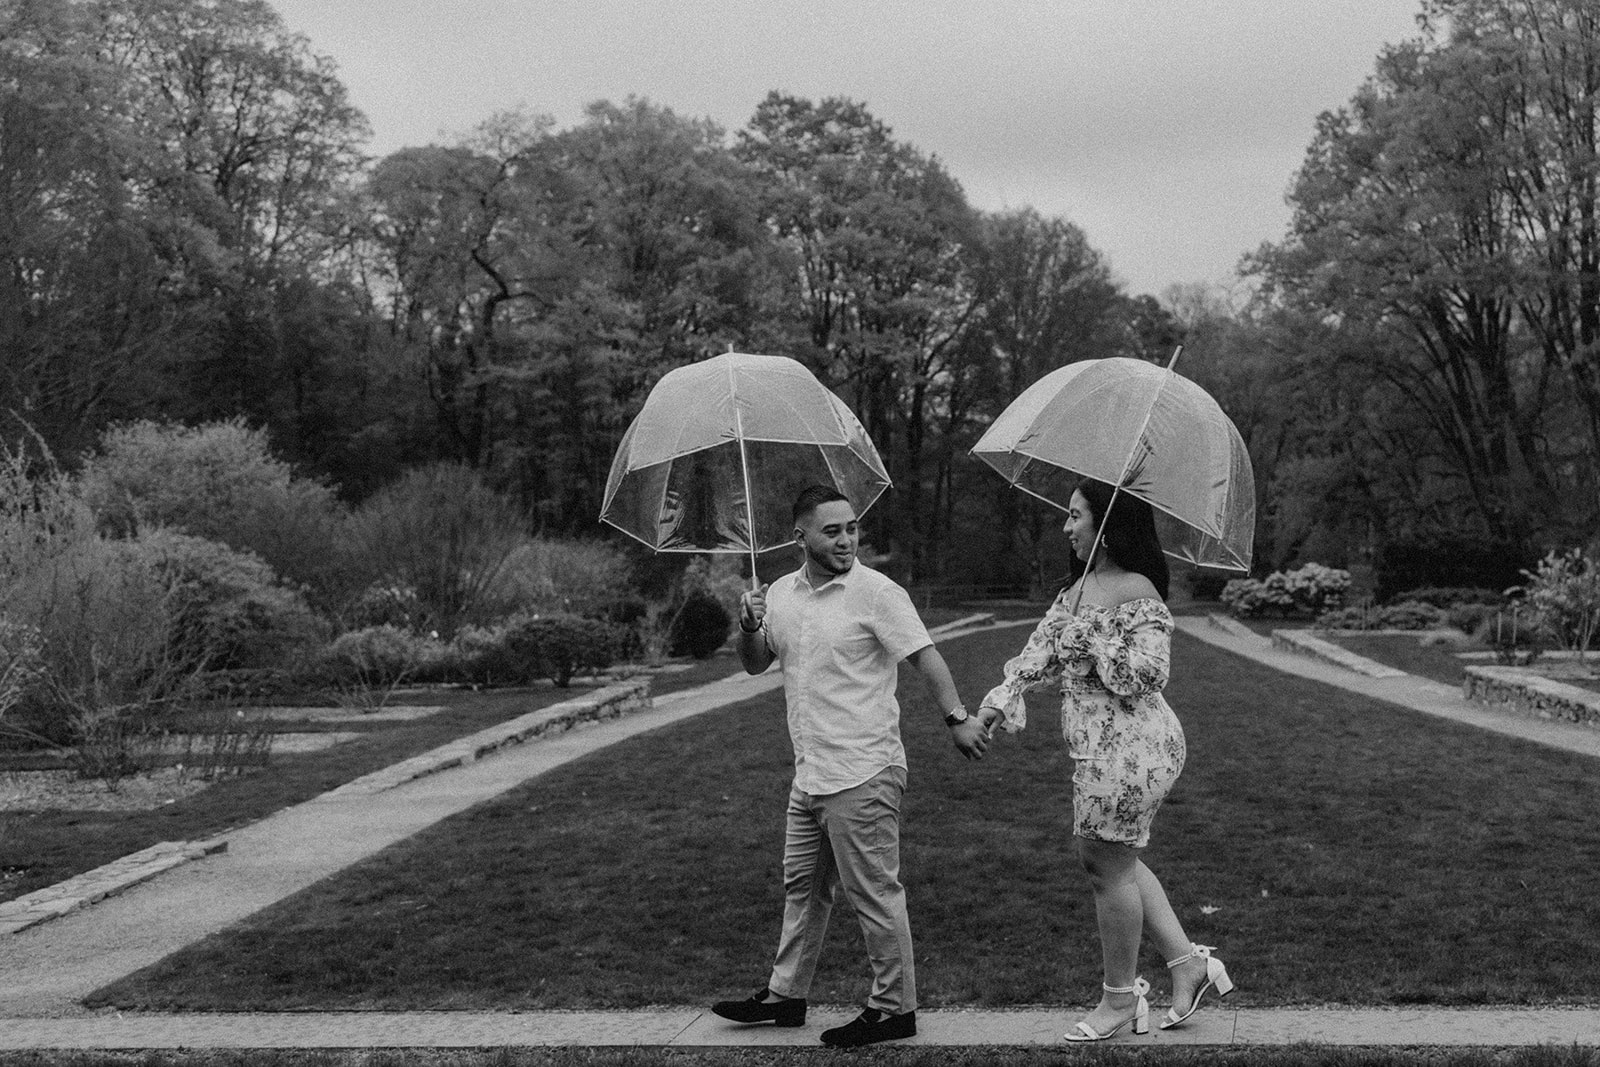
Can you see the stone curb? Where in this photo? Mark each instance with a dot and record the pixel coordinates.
(81, 890)
(1530, 694)
(1308, 645)
(1232, 625)
(602, 704)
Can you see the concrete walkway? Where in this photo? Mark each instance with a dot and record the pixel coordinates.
(690, 1028)
(1407, 690)
(45, 971)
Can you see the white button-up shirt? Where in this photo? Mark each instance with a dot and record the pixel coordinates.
(839, 646)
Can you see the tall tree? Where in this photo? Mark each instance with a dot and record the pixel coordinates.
(1414, 222)
(877, 232)
(174, 170)
(1047, 299)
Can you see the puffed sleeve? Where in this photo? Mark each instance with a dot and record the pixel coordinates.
(1132, 647)
(1037, 665)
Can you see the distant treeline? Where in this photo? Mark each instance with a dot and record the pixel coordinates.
(189, 230)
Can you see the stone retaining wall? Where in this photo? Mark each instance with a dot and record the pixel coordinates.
(1528, 693)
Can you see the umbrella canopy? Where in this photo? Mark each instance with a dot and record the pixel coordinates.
(714, 460)
(1154, 433)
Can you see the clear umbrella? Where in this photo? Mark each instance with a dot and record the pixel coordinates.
(715, 458)
(1149, 432)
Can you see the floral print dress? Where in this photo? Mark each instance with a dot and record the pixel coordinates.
(1110, 665)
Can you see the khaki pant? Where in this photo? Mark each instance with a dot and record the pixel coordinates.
(847, 841)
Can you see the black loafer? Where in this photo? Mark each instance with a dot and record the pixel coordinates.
(871, 1026)
(790, 1011)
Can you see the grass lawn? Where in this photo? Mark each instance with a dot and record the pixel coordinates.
(1338, 850)
(38, 849)
(886, 1055)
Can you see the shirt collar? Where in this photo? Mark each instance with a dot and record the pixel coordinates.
(840, 581)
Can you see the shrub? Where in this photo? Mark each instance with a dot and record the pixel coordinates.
(1406, 615)
(1469, 618)
(228, 610)
(377, 655)
(221, 482)
(385, 604)
(108, 666)
(1564, 592)
(555, 647)
(21, 665)
(1452, 596)
(701, 626)
(1308, 591)
(87, 622)
(444, 535)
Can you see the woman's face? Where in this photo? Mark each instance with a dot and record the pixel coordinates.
(1080, 526)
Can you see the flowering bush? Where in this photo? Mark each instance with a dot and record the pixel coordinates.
(1308, 591)
(1564, 593)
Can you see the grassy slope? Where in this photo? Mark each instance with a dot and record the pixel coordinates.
(1337, 849)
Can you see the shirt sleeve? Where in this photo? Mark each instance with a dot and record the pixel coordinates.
(1132, 650)
(1036, 666)
(896, 624)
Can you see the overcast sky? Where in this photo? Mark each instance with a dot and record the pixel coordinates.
(1168, 129)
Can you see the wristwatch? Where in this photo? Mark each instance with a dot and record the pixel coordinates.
(955, 715)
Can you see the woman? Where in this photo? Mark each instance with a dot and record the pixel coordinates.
(1110, 661)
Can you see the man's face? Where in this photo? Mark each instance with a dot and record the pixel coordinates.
(830, 535)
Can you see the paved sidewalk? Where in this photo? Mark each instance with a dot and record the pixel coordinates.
(45, 971)
(691, 1028)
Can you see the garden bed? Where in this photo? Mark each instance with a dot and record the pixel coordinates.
(43, 847)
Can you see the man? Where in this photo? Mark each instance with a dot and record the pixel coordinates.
(838, 629)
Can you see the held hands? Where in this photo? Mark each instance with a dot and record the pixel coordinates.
(752, 609)
(970, 737)
(989, 717)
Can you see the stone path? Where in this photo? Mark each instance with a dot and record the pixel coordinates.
(46, 971)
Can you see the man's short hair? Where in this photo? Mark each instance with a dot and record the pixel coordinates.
(813, 497)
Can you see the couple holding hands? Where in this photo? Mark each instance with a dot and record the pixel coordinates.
(839, 629)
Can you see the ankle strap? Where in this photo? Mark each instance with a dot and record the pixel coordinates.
(1139, 986)
(1201, 951)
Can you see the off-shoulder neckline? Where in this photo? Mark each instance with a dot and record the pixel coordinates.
(1136, 600)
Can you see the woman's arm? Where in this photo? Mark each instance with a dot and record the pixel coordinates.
(1037, 665)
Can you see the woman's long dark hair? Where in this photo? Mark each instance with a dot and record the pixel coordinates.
(1130, 537)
